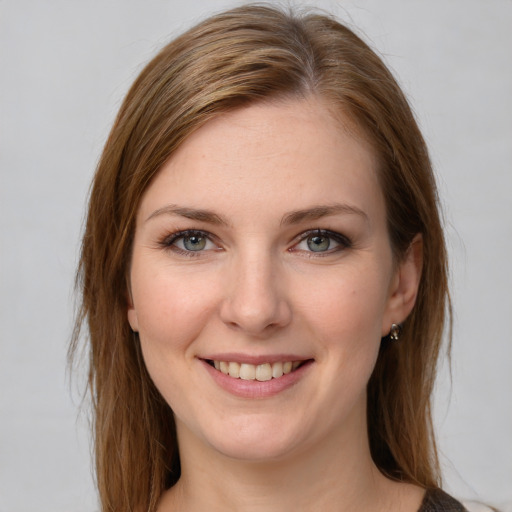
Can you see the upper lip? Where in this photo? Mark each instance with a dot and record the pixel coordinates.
(253, 359)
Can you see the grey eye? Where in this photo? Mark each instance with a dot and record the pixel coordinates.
(318, 243)
(194, 242)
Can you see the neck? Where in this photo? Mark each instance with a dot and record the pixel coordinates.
(335, 475)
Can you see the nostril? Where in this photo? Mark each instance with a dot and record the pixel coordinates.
(254, 306)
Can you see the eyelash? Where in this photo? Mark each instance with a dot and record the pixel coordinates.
(344, 242)
(169, 242)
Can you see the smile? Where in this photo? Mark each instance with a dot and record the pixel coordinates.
(260, 372)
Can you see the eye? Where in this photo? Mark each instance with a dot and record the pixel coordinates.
(189, 242)
(322, 241)
(193, 242)
(318, 243)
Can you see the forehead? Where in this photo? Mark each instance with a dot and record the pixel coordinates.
(287, 153)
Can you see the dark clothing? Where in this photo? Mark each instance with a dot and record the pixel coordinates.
(436, 500)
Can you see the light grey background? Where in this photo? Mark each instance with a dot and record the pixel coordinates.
(65, 66)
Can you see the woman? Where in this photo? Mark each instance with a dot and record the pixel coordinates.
(264, 279)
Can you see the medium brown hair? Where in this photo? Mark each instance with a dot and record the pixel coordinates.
(242, 56)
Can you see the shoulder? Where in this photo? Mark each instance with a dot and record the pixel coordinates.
(436, 500)
(473, 506)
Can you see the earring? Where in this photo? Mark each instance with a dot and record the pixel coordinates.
(395, 332)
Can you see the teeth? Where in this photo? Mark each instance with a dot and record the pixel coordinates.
(234, 370)
(260, 372)
(247, 371)
(263, 372)
(277, 370)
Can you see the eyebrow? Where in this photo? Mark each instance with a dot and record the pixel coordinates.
(294, 217)
(189, 213)
(317, 212)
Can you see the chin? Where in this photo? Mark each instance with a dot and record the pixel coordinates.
(252, 439)
(254, 449)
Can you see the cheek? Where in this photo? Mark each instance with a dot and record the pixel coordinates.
(171, 313)
(171, 310)
(348, 307)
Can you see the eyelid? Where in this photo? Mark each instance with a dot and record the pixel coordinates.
(169, 241)
(343, 241)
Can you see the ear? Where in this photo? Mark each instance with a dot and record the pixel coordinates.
(132, 319)
(132, 312)
(404, 285)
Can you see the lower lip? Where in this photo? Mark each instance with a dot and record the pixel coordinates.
(254, 388)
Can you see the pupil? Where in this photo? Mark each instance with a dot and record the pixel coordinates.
(194, 243)
(318, 243)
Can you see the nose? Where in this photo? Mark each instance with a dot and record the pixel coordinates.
(256, 301)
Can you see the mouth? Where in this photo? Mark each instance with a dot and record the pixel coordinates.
(259, 372)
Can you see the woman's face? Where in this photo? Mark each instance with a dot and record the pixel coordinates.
(262, 281)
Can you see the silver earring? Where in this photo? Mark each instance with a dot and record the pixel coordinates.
(395, 332)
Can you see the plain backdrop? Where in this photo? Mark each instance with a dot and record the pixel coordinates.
(65, 66)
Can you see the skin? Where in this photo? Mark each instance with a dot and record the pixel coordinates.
(258, 289)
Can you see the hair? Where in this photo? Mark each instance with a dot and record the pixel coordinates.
(243, 56)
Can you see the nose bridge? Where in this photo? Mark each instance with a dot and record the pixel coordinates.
(256, 300)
